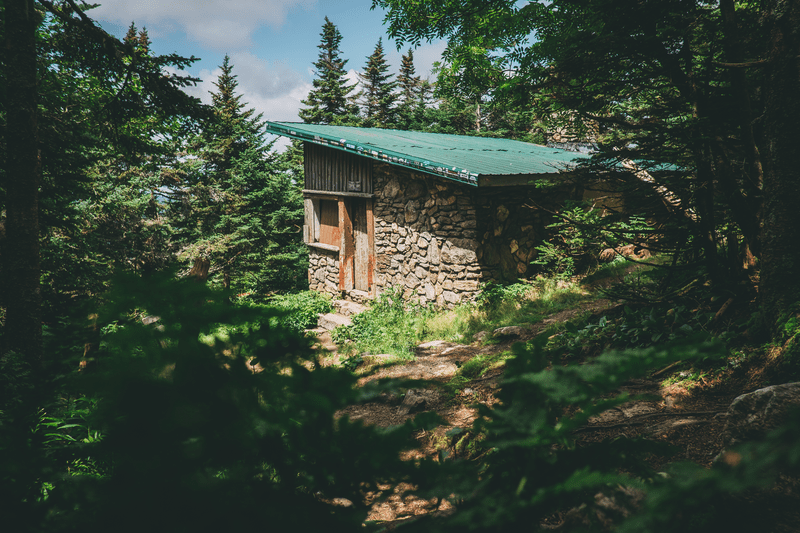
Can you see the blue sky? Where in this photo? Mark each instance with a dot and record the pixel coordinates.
(272, 43)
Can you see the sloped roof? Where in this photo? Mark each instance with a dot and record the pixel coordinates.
(457, 157)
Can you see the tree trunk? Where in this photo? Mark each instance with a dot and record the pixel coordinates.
(199, 269)
(23, 330)
(779, 286)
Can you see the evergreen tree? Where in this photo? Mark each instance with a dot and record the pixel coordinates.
(408, 100)
(328, 102)
(238, 209)
(467, 84)
(377, 97)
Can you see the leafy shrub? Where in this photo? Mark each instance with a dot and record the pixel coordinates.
(521, 303)
(634, 328)
(390, 326)
(493, 294)
(302, 308)
(579, 237)
(789, 339)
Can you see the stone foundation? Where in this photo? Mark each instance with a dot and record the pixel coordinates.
(323, 270)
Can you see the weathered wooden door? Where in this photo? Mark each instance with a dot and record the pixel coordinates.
(362, 271)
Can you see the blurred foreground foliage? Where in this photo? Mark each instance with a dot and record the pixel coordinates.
(181, 425)
(198, 414)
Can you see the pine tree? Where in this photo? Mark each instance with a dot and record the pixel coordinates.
(377, 97)
(408, 101)
(237, 209)
(328, 102)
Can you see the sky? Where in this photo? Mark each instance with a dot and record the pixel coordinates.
(272, 43)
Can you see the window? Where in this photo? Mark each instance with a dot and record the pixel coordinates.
(329, 232)
(322, 223)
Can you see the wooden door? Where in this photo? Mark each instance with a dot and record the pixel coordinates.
(361, 240)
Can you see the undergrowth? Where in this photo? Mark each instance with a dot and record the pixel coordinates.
(392, 326)
(301, 308)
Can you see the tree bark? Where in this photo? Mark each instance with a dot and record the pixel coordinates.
(199, 269)
(22, 293)
(779, 286)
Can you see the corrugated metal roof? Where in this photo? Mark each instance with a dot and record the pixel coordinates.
(457, 157)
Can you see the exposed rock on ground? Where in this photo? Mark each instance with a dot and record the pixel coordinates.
(331, 321)
(752, 415)
(348, 308)
(511, 331)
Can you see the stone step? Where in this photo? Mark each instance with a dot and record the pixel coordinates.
(348, 308)
(330, 321)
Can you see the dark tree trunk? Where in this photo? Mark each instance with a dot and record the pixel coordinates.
(22, 294)
(200, 269)
(745, 207)
(779, 285)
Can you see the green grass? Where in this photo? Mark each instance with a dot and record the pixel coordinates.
(393, 327)
(539, 299)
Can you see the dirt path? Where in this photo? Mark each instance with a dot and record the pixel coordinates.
(688, 421)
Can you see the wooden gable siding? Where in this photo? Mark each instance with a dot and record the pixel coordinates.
(327, 169)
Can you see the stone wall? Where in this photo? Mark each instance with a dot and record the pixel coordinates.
(438, 239)
(323, 270)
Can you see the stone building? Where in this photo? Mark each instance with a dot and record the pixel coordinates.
(431, 214)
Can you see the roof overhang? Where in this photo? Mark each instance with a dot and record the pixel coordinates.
(455, 157)
(379, 154)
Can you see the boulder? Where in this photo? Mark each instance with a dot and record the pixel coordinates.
(751, 416)
(510, 331)
(433, 252)
(412, 211)
(480, 336)
(417, 401)
(451, 297)
(391, 189)
(430, 291)
(466, 286)
(415, 189)
(502, 213)
(435, 346)
(348, 308)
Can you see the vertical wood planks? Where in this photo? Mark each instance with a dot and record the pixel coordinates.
(328, 169)
(371, 246)
(347, 247)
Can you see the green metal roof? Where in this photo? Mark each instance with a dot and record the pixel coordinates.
(457, 157)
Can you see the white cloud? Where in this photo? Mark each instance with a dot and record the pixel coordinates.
(217, 24)
(270, 88)
(426, 55)
(424, 58)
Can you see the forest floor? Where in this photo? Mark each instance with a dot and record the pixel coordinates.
(687, 415)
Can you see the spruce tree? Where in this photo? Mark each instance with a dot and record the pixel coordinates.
(328, 102)
(408, 100)
(377, 97)
(237, 207)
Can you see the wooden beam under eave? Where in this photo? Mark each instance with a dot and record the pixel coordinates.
(516, 180)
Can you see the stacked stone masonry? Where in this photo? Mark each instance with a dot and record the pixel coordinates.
(437, 240)
(323, 270)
